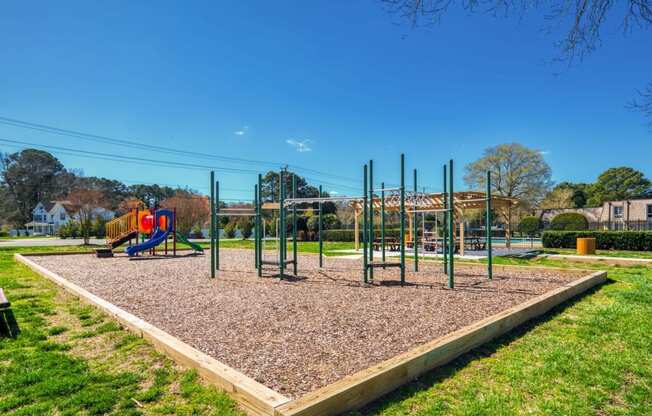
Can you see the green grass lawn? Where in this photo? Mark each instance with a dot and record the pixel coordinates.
(590, 356)
(71, 359)
(27, 237)
(606, 253)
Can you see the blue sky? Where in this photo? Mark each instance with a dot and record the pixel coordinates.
(255, 80)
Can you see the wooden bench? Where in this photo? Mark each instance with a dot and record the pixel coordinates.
(8, 325)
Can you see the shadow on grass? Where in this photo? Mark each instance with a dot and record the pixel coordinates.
(439, 374)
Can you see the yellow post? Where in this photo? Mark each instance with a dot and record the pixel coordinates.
(585, 246)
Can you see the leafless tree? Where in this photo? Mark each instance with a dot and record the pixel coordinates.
(581, 20)
(644, 102)
(192, 209)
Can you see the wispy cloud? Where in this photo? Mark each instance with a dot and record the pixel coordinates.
(333, 192)
(300, 145)
(544, 152)
(242, 131)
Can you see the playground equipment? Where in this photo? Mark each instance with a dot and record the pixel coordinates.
(408, 204)
(164, 222)
(159, 225)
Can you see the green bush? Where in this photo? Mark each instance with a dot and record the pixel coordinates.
(569, 221)
(69, 230)
(196, 232)
(328, 222)
(530, 226)
(605, 240)
(245, 226)
(99, 228)
(348, 235)
(229, 230)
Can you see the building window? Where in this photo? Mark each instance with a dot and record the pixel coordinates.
(649, 212)
(62, 216)
(618, 212)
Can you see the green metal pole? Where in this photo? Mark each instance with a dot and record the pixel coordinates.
(281, 231)
(415, 230)
(321, 243)
(490, 273)
(261, 232)
(451, 228)
(382, 220)
(212, 230)
(364, 227)
(402, 218)
(371, 218)
(217, 225)
(294, 224)
(444, 226)
(256, 248)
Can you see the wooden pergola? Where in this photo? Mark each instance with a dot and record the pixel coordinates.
(420, 202)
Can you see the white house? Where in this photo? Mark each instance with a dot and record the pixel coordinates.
(48, 217)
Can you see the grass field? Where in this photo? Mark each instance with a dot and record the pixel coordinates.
(605, 253)
(71, 359)
(590, 356)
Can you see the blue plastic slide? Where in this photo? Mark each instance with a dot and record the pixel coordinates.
(159, 236)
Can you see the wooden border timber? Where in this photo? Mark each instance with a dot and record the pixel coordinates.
(254, 397)
(356, 390)
(353, 391)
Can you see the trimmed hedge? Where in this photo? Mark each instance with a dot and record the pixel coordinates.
(348, 235)
(604, 240)
(569, 221)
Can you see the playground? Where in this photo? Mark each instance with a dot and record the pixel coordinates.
(291, 333)
(299, 334)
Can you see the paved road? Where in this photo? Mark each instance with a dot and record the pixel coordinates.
(41, 242)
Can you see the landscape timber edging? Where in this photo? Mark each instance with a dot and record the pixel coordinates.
(255, 398)
(350, 392)
(354, 391)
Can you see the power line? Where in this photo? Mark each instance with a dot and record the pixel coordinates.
(158, 148)
(146, 161)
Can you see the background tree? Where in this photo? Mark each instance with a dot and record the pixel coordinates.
(558, 198)
(147, 192)
(192, 209)
(580, 193)
(530, 226)
(582, 22)
(618, 183)
(28, 176)
(130, 203)
(270, 186)
(246, 226)
(85, 203)
(516, 172)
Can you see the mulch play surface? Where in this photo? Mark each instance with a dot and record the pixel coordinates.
(298, 335)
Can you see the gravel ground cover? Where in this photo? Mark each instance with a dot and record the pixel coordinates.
(301, 334)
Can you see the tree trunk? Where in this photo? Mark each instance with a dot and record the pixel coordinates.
(508, 229)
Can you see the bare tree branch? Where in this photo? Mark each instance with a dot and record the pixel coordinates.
(643, 103)
(580, 20)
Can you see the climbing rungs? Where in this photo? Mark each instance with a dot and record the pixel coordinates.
(382, 264)
(276, 263)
